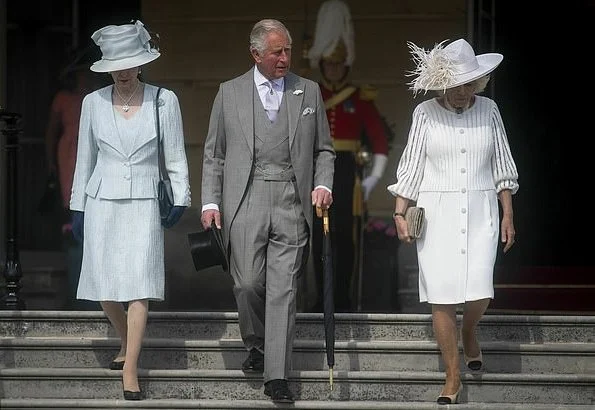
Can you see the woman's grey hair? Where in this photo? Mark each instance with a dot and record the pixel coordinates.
(261, 29)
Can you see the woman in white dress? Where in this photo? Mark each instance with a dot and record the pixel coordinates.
(114, 193)
(457, 164)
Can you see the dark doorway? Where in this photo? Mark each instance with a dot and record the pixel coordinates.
(542, 89)
(42, 36)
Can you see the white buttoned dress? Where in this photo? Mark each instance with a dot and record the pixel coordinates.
(454, 165)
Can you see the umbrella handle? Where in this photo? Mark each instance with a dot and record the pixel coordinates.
(323, 213)
(325, 221)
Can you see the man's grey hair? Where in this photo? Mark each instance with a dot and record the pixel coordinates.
(261, 29)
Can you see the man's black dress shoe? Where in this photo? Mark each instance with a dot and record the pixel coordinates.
(254, 363)
(278, 391)
(133, 395)
(116, 365)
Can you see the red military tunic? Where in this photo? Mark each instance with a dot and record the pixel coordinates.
(351, 117)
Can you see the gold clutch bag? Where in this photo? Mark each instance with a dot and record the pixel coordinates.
(415, 217)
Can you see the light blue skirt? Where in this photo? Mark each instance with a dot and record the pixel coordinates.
(122, 251)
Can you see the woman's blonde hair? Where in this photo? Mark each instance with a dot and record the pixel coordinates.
(480, 84)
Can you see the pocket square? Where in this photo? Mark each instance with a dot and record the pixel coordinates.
(298, 92)
(308, 110)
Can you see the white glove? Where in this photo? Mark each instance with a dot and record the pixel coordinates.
(368, 185)
(370, 181)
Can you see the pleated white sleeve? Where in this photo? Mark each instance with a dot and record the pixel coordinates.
(503, 166)
(410, 170)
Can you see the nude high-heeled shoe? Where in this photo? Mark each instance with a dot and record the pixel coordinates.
(450, 399)
(474, 363)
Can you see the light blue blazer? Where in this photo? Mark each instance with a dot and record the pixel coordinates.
(105, 170)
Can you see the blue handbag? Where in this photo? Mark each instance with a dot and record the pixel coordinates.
(165, 194)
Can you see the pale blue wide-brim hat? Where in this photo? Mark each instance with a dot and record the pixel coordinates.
(123, 46)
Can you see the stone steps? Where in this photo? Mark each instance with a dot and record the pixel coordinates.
(505, 357)
(348, 326)
(89, 383)
(173, 404)
(58, 359)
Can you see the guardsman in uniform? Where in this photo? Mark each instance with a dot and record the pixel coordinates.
(357, 130)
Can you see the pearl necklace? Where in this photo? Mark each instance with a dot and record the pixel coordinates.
(126, 106)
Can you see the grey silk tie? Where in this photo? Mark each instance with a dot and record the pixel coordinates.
(271, 102)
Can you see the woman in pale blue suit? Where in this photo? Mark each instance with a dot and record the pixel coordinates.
(114, 193)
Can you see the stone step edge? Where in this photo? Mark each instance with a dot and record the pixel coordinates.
(339, 376)
(351, 318)
(177, 404)
(299, 344)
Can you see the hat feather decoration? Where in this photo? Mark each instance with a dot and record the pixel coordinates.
(333, 24)
(434, 68)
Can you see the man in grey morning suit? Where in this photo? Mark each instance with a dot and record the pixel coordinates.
(268, 158)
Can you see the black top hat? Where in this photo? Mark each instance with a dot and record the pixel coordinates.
(207, 249)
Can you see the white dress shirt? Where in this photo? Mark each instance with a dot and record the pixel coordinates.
(262, 85)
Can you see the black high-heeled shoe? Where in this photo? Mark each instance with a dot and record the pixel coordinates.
(133, 395)
(114, 365)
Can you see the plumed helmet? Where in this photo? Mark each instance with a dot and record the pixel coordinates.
(333, 35)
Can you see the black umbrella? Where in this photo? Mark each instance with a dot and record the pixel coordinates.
(328, 295)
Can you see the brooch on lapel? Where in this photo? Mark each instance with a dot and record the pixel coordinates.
(308, 110)
(298, 92)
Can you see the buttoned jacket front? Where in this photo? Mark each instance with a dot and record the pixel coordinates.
(105, 170)
(229, 147)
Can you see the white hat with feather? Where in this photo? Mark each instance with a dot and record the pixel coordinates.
(447, 67)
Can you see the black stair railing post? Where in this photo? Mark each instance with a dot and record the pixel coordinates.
(12, 273)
